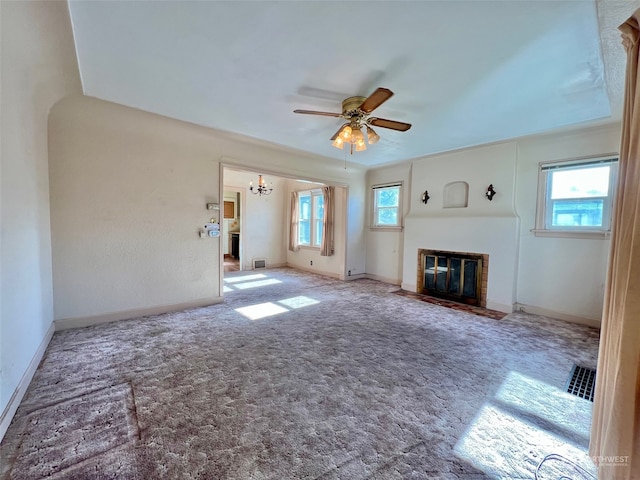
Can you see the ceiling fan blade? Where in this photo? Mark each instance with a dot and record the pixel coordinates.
(392, 124)
(376, 99)
(338, 132)
(313, 112)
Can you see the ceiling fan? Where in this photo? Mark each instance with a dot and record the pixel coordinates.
(357, 111)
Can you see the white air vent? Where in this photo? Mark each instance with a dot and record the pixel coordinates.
(259, 263)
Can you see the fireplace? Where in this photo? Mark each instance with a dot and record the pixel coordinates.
(457, 276)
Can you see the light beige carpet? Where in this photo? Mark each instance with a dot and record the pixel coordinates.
(298, 376)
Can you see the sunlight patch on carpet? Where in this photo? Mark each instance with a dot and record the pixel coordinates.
(547, 402)
(298, 302)
(245, 278)
(506, 446)
(268, 309)
(526, 420)
(256, 284)
(64, 434)
(261, 310)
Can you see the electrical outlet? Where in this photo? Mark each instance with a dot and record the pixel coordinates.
(311, 262)
(349, 273)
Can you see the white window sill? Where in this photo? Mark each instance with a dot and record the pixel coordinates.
(308, 247)
(593, 234)
(388, 228)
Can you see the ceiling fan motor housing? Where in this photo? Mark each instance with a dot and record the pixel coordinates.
(351, 105)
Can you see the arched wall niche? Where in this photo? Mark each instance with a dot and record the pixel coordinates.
(456, 195)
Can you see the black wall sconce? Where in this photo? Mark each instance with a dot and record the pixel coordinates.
(425, 197)
(490, 192)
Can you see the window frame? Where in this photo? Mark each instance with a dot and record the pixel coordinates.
(313, 220)
(374, 208)
(544, 204)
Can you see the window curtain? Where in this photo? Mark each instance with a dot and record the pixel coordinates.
(293, 223)
(615, 428)
(326, 248)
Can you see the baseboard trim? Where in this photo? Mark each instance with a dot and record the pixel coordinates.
(390, 281)
(590, 322)
(409, 287)
(79, 322)
(353, 276)
(500, 307)
(317, 272)
(249, 268)
(21, 389)
(276, 265)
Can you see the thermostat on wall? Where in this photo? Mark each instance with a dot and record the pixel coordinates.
(213, 206)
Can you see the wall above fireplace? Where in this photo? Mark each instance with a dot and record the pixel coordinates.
(488, 227)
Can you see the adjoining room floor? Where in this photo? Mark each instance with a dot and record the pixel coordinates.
(231, 264)
(299, 376)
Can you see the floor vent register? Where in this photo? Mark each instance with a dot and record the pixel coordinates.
(582, 382)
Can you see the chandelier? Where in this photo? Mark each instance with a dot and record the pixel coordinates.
(261, 189)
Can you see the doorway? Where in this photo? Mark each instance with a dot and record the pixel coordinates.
(231, 229)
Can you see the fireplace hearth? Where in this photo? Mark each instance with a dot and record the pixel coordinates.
(457, 276)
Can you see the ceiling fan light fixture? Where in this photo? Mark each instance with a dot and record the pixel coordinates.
(357, 112)
(346, 133)
(372, 136)
(357, 136)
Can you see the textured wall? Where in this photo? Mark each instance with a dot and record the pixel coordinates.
(128, 194)
(385, 248)
(561, 276)
(38, 68)
(482, 227)
(564, 275)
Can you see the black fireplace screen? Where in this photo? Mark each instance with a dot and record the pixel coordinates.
(452, 276)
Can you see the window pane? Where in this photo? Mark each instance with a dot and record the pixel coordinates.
(577, 213)
(304, 232)
(577, 198)
(318, 218)
(387, 197)
(318, 233)
(305, 207)
(386, 206)
(319, 207)
(580, 182)
(387, 216)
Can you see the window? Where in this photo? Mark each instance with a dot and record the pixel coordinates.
(311, 220)
(574, 197)
(387, 201)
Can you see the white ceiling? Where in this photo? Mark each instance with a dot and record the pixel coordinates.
(463, 72)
